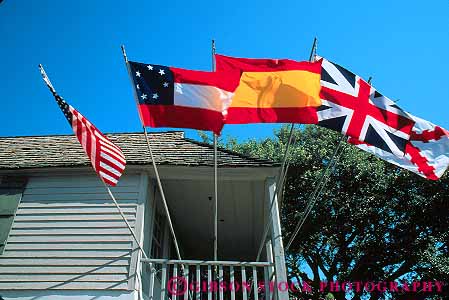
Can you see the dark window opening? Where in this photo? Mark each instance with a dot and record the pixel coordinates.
(158, 236)
(11, 190)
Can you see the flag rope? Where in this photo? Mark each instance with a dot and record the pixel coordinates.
(277, 188)
(325, 175)
(156, 172)
(283, 171)
(319, 189)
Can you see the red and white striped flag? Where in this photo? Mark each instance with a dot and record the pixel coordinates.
(107, 159)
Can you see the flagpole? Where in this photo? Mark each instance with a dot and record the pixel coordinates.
(215, 176)
(283, 171)
(156, 172)
(46, 79)
(164, 201)
(53, 91)
(319, 189)
(124, 219)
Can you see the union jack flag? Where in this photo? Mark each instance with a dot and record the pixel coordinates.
(353, 107)
(106, 158)
(426, 154)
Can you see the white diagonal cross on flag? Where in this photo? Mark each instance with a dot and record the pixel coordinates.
(354, 108)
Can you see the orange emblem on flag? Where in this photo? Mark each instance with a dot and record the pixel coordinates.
(273, 91)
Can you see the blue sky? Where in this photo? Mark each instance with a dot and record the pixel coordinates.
(402, 44)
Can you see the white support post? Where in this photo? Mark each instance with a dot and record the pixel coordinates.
(270, 269)
(276, 237)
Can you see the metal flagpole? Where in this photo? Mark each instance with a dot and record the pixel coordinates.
(156, 172)
(126, 221)
(164, 201)
(283, 171)
(53, 91)
(215, 176)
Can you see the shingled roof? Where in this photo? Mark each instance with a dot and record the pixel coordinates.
(170, 148)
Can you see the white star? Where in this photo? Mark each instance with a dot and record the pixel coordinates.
(165, 84)
(150, 67)
(138, 87)
(138, 74)
(155, 96)
(161, 72)
(143, 96)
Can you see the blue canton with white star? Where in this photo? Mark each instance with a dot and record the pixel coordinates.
(64, 107)
(153, 83)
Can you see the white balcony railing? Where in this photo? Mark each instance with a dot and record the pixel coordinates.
(211, 280)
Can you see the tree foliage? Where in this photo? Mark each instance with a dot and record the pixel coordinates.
(373, 222)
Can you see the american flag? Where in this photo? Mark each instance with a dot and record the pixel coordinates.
(106, 158)
(354, 108)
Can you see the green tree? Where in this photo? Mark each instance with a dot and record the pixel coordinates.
(373, 222)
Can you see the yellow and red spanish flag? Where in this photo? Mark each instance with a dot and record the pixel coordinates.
(273, 90)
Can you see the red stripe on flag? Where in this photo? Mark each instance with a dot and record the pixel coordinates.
(429, 135)
(88, 139)
(107, 181)
(420, 161)
(108, 172)
(243, 115)
(112, 147)
(78, 128)
(415, 158)
(181, 116)
(107, 141)
(113, 152)
(265, 65)
(227, 81)
(109, 160)
(118, 163)
(102, 142)
(81, 133)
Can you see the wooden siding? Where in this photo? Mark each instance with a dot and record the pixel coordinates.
(67, 234)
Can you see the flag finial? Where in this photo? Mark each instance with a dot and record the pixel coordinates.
(46, 79)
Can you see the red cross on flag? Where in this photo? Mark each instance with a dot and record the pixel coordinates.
(354, 108)
(426, 154)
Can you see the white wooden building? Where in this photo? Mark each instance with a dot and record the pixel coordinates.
(62, 237)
